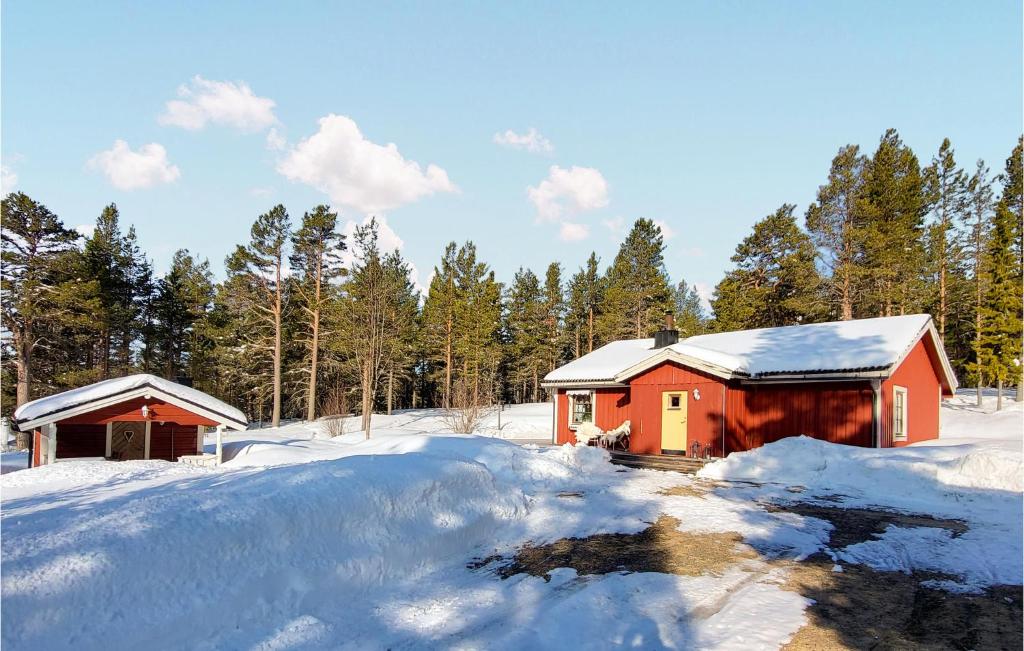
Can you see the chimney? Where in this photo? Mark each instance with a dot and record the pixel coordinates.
(667, 335)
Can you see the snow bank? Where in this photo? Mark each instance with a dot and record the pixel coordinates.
(973, 483)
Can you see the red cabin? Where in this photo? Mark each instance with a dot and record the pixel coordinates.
(867, 382)
(133, 417)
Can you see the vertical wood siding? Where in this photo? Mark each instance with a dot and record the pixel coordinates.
(704, 417)
(917, 374)
(612, 407)
(171, 440)
(78, 440)
(839, 412)
(131, 410)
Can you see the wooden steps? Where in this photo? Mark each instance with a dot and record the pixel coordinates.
(666, 462)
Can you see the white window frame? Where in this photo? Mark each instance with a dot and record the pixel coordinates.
(572, 395)
(900, 433)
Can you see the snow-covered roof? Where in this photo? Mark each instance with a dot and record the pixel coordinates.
(93, 396)
(839, 347)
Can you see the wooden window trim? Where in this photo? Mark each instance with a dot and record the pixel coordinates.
(573, 424)
(900, 391)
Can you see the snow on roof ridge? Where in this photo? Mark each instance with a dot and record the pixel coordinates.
(857, 344)
(113, 386)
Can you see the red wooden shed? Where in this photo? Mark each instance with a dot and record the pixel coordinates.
(133, 417)
(867, 382)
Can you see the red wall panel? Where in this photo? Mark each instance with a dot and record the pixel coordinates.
(917, 375)
(704, 417)
(170, 441)
(839, 412)
(76, 440)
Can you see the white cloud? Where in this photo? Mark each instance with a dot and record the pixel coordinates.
(567, 191)
(218, 102)
(358, 173)
(8, 179)
(275, 141)
(130, 170)
(573, 232)
(617, 225)
(706, 292)
(666, 231)
(261, 192)
(388, 241)
(531, 141)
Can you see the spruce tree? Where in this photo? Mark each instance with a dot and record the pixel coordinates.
(689, 310)
(978, 215)
(836, 225)
(554, 307)
(437, 332)
(1001, 313)
(585, 295)
(637, 293)
(527, 334)
(775, 282)
(316, 261)
(478, 313)
(183, 298)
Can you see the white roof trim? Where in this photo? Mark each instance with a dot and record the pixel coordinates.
(669, 355)
(140, 392)
(947, 368)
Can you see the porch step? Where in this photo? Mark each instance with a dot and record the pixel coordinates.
(667, 462)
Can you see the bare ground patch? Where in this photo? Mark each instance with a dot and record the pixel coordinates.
(659, 548)
(862, 608)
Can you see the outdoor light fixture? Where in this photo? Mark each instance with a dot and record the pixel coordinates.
(696, 394)
(145, 412)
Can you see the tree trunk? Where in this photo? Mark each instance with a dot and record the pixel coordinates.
(275, 418)
(999, 394)
(942, 299)
(448, 364)
(590, 330)
(24, 389)
(367, 398)
(314, 361)
(847, 303)
(391, 388)
(979, 388)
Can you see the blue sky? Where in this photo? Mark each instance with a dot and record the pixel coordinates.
(704, 116)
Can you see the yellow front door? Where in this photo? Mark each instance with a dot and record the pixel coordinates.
(673, 422)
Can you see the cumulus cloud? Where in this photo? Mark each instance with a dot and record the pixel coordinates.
(131, 170)
(8, 179)
(666, 231)
(616, 225)
(275, 141)
(706, 292)
(531, 141)
(568, 191)
(572, 232)
(203, 101)
(388, 241)
(355, 172)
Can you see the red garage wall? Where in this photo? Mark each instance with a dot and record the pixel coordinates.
(131, 410)
(171, 440)
(703, 417)
(81, 441)
(839, 412)
(917, 375)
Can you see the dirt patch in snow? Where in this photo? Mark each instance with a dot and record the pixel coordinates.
(862, 608)
(658, 548)
(852, 526)
(685, 490)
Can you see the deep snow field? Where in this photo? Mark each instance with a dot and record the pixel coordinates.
(303, 541)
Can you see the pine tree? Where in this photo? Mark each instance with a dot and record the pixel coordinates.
(689, 310)
(637, 293)
(183, 298)
(316, 259)
(35, 287)
(775, 282)
(836, 225)
(978, 215)
(527, 334)
(947, 193)
(260, 265)
(894, 210)
(379, 308)
(554, 308)
(478, 314)
(585, 295)
(437, 333)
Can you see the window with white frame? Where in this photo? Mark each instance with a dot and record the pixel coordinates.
(899, 413)
(581, 408)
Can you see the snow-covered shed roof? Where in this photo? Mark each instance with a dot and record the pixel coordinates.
(94, 396)
(837, 348)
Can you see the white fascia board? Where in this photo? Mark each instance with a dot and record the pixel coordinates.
(582, 384)
(669, 355)
(947, 369)
(141, 392)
